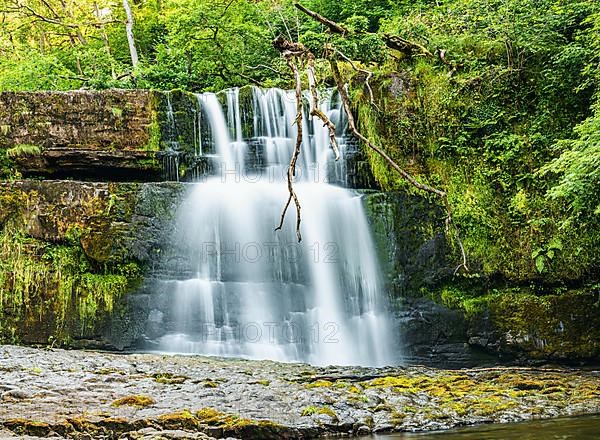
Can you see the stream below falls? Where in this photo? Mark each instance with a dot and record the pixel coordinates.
(575, 428)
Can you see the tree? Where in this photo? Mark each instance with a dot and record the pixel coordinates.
(129, 30)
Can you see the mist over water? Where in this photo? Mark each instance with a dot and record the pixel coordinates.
(246, 290)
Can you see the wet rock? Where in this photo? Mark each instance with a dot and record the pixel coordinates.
(257, 399)
(409, 238)
(80, 234)
(16, 395)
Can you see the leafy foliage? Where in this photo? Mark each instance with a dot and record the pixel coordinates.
(501, 116)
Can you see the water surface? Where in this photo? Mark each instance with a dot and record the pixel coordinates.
(576, 428)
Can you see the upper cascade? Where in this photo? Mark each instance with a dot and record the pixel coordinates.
(257, 134)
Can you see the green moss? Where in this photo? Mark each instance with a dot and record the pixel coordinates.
(397, 417)
(57, 289)
(26, 427)
(312, 410)
(179, 420)
(319, 384)
(209, 415)
(154, 135)
(117, 112)
(137, 401)
(233, 424)
(7, 167)
(564, 325)
(169, 378)
(95, 291)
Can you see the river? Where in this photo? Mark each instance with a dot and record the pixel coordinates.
(577, 428)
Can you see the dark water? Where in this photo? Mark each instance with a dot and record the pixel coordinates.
(576, 428)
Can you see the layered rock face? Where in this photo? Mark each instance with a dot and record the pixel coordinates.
(103, 135)
(78, 257)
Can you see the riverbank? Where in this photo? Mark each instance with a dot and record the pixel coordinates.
(78, 394)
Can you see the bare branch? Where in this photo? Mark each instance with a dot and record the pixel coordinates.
(403, 45)
(292, 168)
(314, 104)
(331, 25)
(450, 222)
(287, 49)
(392, 41)
(358, 69)
(296, 51)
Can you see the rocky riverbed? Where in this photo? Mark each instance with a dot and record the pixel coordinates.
(84, 394)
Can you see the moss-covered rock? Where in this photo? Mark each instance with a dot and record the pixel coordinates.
(86, 134)
(526, 325)
(408, 231)
(71, 251)
(561, 326)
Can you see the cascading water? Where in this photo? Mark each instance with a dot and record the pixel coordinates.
(245, 290)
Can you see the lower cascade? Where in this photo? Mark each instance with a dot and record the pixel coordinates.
(239, 288)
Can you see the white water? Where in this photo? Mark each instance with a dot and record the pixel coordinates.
(253, 292)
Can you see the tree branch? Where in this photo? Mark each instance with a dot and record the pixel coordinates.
(331, 25)
(358, 69)
(289, 56)
(392, 41)
(403, 45)
(314, 104)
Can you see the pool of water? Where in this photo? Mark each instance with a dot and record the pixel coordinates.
(576, 428)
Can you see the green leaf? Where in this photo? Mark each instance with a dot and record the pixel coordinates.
(540, 263)
(555, 244)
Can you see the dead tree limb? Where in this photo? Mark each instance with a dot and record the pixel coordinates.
(392, 41)
(293, 53)
(441, 53)
(314, 103)
(331, 25)
(291, 172)
(403, 45)
(358, 69)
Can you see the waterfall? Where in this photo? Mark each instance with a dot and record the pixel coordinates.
(242, 289)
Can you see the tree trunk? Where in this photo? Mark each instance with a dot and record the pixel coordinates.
(130, 39)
